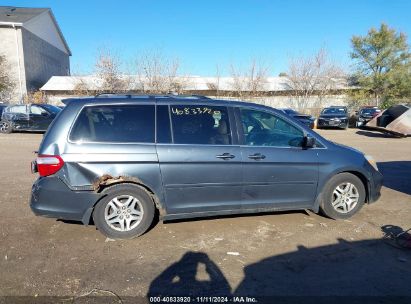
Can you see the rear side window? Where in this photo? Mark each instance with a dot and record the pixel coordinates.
(18, 109)
(115, 123)
(200, 124)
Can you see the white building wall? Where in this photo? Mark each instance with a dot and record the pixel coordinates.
(12, 48)
(312, 106)
(43, 27)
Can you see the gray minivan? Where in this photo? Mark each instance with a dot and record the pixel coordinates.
(121, 160)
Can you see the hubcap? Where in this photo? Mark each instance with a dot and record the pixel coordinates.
(123, 213)
(345, 197)
(4, 126)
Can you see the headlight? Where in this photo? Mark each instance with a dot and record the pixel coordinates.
(371, 161)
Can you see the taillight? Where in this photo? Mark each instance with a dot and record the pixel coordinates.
(49, 164)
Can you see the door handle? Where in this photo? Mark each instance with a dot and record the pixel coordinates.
(225, 156)
(256, 156)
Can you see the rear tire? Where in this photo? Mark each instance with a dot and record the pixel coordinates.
(127, 211)
(5, 127)
(342, 196)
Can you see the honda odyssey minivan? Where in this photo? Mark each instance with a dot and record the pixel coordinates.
(121, 160)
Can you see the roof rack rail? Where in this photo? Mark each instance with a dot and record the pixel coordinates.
(188, 96)
(151, 96)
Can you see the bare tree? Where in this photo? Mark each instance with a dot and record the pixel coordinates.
(313, 75)
(250, 82)
(157, 73)
(35, 97)
(108, 71)
(214, 85)
(6, 84)
(108, 76)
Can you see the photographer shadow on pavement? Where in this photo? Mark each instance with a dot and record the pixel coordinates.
(195, 274)
(364, 271)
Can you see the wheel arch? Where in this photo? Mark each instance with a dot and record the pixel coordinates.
(356, 173)
(106, 183)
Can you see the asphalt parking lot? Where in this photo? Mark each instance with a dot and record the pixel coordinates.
(291, 253)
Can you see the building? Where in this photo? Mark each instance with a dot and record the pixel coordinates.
(34, 48)
(274, 91)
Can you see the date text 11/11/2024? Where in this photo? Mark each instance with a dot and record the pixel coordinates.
(202, 299)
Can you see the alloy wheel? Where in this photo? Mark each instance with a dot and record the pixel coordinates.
(123, 213)
(345, 197)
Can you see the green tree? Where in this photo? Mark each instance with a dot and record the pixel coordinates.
(382, 65)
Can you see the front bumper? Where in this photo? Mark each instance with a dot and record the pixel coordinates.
(327, 123)
(374, 186)
(51, 197)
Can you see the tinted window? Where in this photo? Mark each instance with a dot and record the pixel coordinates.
(163, 125)
(200, 124)
(37, 110)
(113, 123)
(290, 112)
(265, 129)
(18, 109)
(369, 111)
(51, 108)
(334, 111)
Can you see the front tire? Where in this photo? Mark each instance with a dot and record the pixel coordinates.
(5, 127)
(127, 211)
(343, 196)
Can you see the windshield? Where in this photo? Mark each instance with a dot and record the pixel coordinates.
(50, 108)
(371, 111)
(334, 111)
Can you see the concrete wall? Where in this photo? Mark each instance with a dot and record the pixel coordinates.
(42, 60)
(11, 47)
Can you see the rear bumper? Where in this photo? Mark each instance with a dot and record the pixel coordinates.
(51, 197)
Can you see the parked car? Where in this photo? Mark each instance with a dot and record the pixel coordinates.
(122, 160)
(30, 117)
(2, 107)
(305, 119)
(335, 116)
(365, 114)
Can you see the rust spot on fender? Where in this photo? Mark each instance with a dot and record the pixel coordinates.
(107, 180)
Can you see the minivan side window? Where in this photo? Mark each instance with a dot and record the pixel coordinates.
(115, 123)
(200, 124)
(265, 129)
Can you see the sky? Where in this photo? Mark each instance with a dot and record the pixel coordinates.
(206, 34)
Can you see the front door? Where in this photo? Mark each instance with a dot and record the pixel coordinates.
(40, 119)
(201, 167)
(277, 171)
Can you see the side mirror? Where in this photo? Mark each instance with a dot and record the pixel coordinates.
(308, 142)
